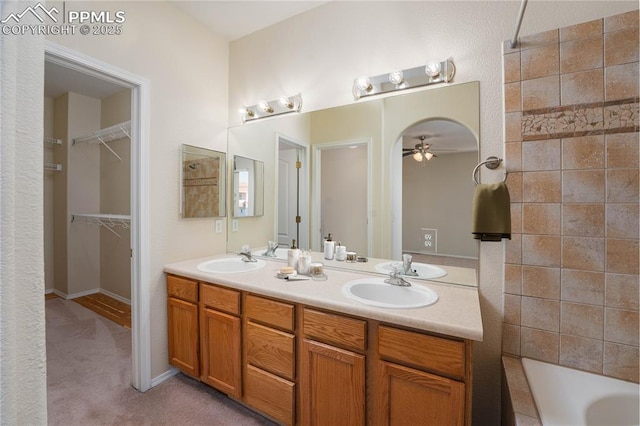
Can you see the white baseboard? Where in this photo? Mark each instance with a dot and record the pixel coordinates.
(114, 296)
(48, 291)
(79, 294)
(164, 376)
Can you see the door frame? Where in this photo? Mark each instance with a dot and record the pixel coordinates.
(140, 124)
(316, 189)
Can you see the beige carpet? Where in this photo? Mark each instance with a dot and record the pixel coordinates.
(89, 376)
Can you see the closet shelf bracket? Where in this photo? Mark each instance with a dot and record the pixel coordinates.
(52, 166)
(107, 135)
(109, 221)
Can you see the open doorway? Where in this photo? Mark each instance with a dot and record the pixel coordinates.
(82, 68)
(293, 193)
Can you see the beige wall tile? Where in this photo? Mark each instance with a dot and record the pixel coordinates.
(621, 21)
(582, 286)
(541, 187)
(513, 249)
(582, 320)
(516, 218)
(541, 250)
(540, 62)
(541, 282)
(541, 155)
(582, 87)
(622, 186)
(514, 184)
(541, 314)
(622, 256)
(581, 55)
(513, 156)
(622, 221)
(621, 81)
(511, 339)
(580, 186)
(512, 97)
(621, 361)
(620, 326)
(541, 218)
(541, 93)
(512, 278)
(513, 127)
(585, 152)
(623, 150)
(583, 30)
(583, 219)
(622, 291)
(512, 309)
(586, 254)
(540, 39)
(539, 344)
(581, 353)
(512, 67)
(621, 47)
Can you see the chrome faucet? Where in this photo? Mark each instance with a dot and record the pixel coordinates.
(406, 266)
(246, 255)
(271, 249)
(395, 278)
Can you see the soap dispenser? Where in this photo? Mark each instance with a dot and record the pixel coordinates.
(341, 252)
(329, 248)
(293, 254)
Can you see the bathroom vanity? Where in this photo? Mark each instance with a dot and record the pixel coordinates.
(302, 352)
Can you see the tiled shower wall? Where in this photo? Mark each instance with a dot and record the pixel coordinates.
(571, 291)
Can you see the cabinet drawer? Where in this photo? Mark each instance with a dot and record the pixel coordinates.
(269, 312)
(432, 353)
(271, 350)
(220, 298)
(335, 329)
(182, 288)
(270, 394)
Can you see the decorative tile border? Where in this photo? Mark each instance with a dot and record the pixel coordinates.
(580, 120)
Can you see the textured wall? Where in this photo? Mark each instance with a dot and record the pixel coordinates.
(571, 272)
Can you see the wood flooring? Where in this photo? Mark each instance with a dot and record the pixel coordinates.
(108, 307)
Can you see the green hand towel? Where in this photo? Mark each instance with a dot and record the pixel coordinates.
(491, 217)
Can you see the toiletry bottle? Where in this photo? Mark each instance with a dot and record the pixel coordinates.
(341, 252)
(304, 262)
(293, 254)
(329, 248)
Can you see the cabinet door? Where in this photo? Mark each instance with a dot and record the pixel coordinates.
(411, 397)
(332, 382)
(183, 335)
(220, 344)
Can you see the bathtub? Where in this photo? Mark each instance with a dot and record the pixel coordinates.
(567, 397)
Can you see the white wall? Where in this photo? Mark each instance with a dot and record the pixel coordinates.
(187, 67)
(320, 52)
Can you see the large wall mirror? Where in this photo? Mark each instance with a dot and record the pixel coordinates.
(402, 201)
(203, 183)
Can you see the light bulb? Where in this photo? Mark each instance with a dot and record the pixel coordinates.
(285, 102)
(432, 69)
(364, 83)
(246, 112)
(417, 156)
(264, 106)
(428, 155)
(396, 77)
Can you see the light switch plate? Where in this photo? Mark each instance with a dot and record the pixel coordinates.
(234, 225)
(218, 226)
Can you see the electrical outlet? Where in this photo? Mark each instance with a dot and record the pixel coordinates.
(429, 240)
(234, 225)
(219, 226)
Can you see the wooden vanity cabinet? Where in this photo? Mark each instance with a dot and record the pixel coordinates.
(220, 327)
(332, 369)
(421, 379)
(269, 358)
(182, 324)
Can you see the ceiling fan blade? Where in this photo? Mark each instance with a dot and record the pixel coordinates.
(404, 154)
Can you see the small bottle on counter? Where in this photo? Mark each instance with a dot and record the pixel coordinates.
(293, 255)
(304, 262)
(341, 252)
(329, 248)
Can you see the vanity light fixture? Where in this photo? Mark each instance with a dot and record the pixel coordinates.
(284, 105)
(431, 73)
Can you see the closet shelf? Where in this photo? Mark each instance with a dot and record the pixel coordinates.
(53, 141)
(106, 135)
(52, 166)
(109, 221)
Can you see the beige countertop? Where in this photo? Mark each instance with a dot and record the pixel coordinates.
(456, 313)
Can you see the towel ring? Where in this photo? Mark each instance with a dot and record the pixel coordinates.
(491, 163)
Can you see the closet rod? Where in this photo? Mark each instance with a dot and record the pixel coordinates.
(106, 135)
(109, 221)
(514, 40)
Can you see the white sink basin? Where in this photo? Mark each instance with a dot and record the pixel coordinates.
(375, 292)
(230, 265)
(425, 271)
